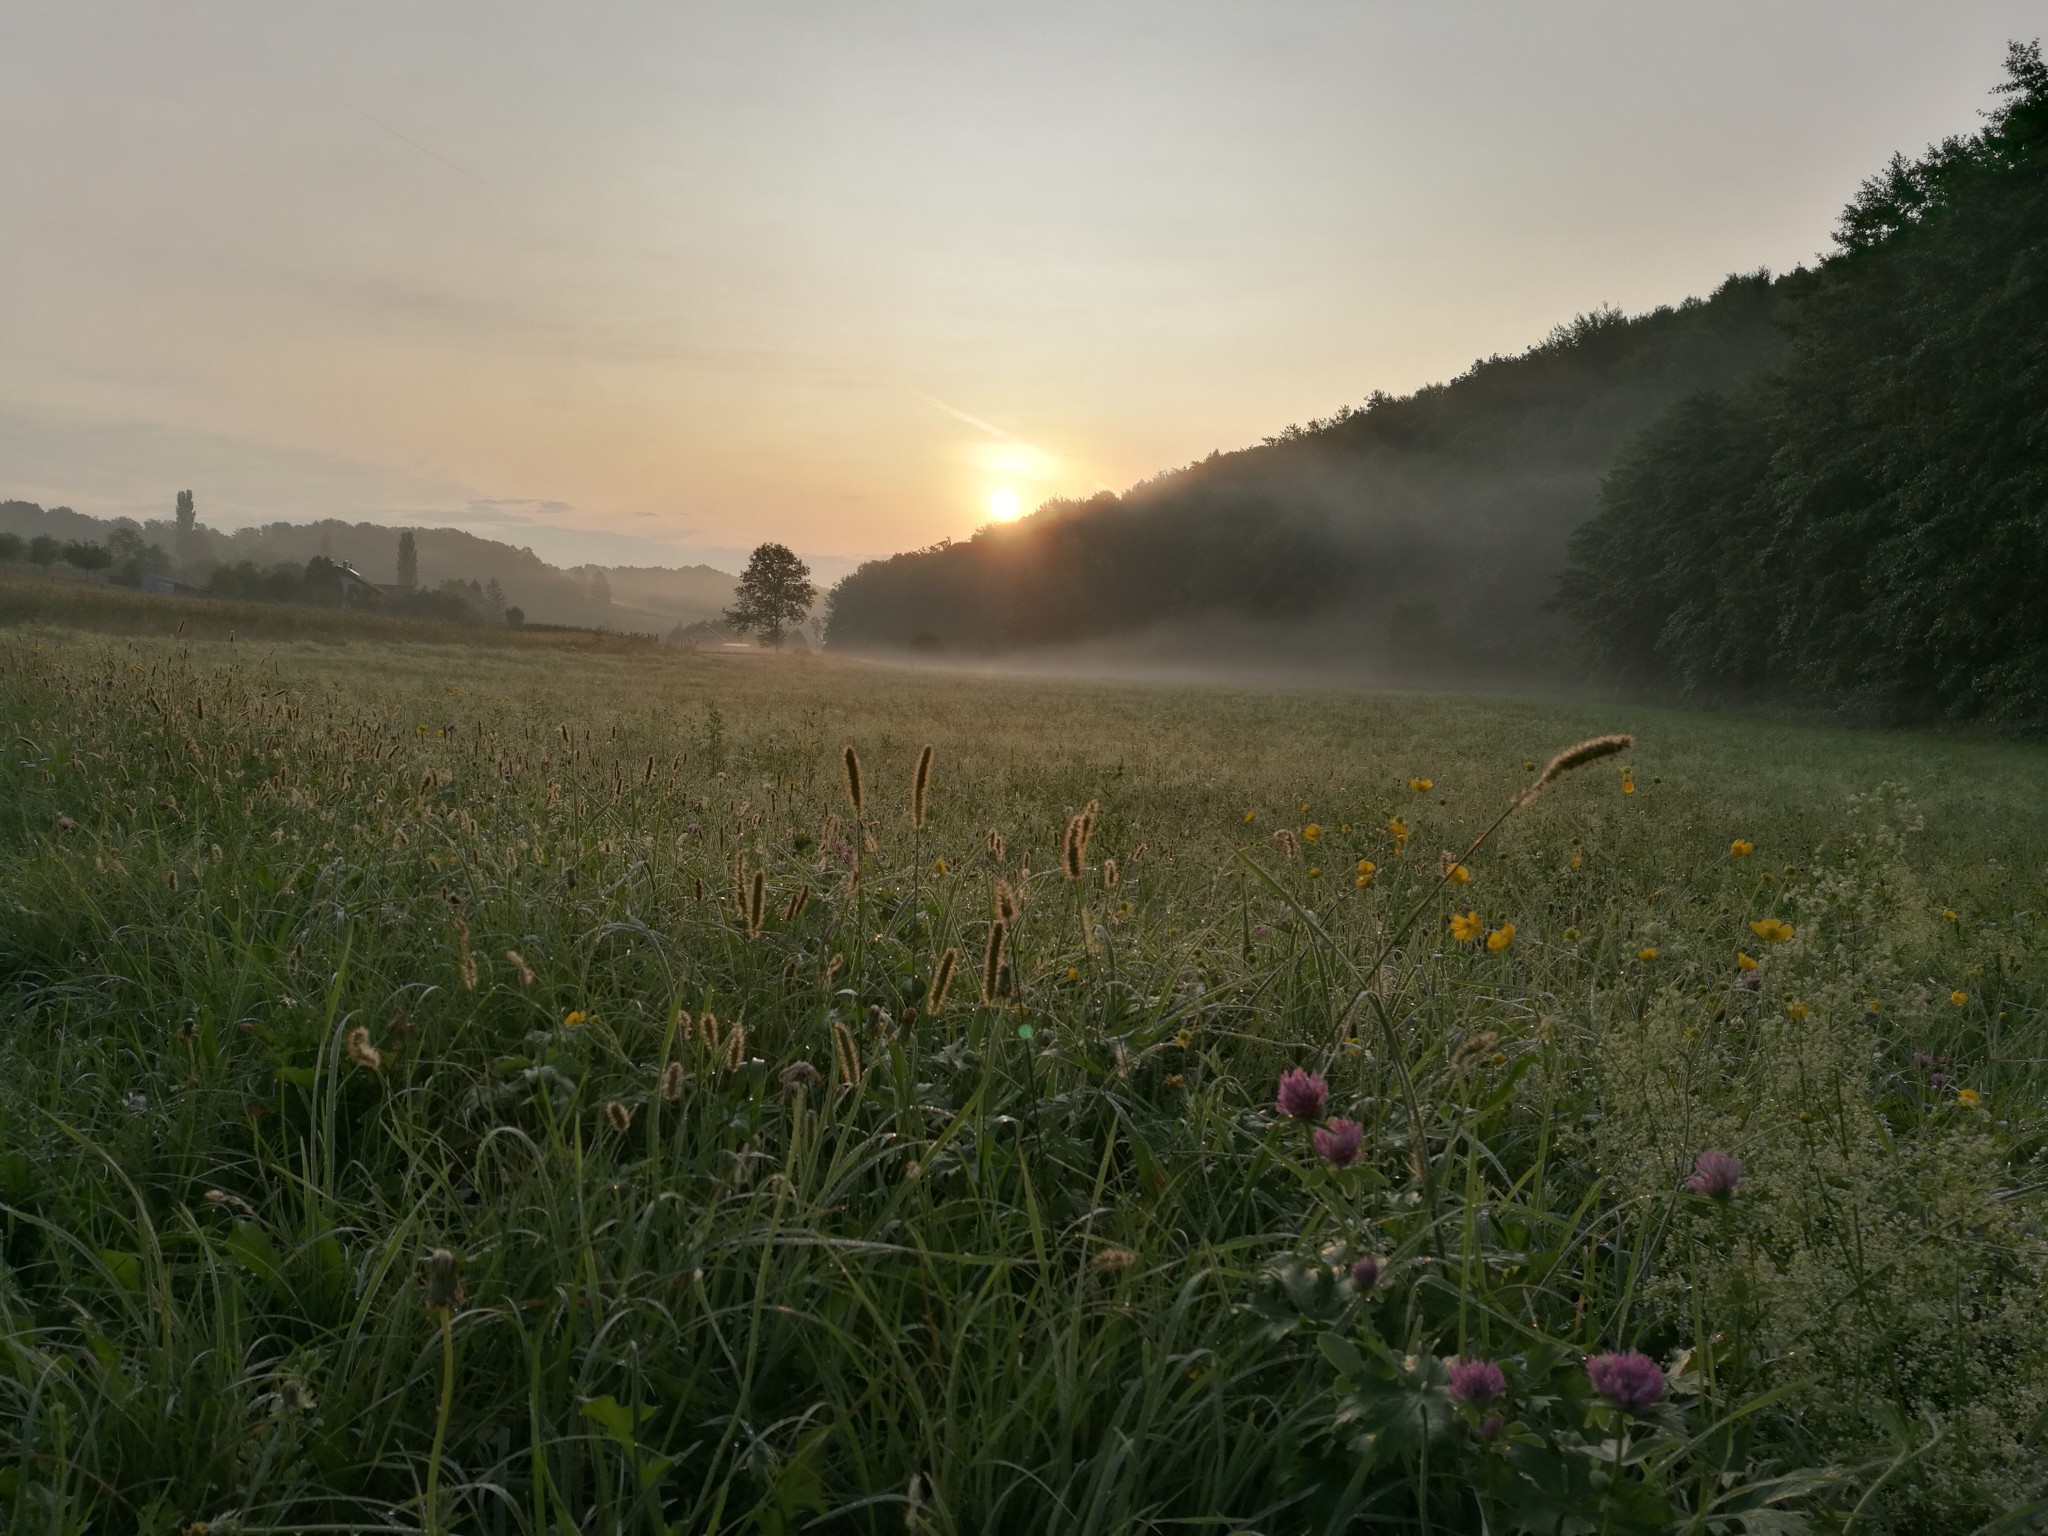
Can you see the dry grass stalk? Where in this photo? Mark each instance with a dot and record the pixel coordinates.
(1575, 757)
(845, 1053)
(757, 904)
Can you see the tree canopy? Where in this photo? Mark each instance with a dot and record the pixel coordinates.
(775, 593)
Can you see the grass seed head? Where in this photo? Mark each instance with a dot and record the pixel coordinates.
(707, 1032)
(920, 783)
(1575, 757)
(851, 760)
(519, 964)
(736, 1047)
(621, 1118)
(992, 961)
(942, 980)
(672, 1082)
(362, 1052)
(845, 1053)
(757, 904)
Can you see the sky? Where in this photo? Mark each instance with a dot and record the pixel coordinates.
(652, 283)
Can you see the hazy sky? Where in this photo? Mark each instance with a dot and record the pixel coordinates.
(636, 281)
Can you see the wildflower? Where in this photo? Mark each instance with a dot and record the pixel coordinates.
(1457, 874)
(1629, 1379)
(1365, 1273)
(1398, 830)
(1797, 1009)
(1578, 860)
(361, 1052)
(1175, 1080)
(1500, 938)
(1741, 848)
(938, 866)
(1422, 786)
(1073, 973)
(1873, 1005)
(1314, 873)
(1337, 1143)
(1958, 998)
(1311, 833)
(1249, 817)
(1646, 955)
(1969, 1098)
(1367, 868)
(575, 1018)
(1571, 935)
(1301, 1095)
(1771, 930)
(1628, 781)
(1490, 1426)
(1744, 962)
(1950, 914)
(1716, 1174)
(1304, 807)
(1476, 1381)
(1467, 927)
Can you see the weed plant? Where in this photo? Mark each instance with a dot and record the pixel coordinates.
(504, 1091)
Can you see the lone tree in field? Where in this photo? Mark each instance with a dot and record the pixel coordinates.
(408, 561)
(774, 594)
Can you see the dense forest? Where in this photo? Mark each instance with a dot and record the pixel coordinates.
(1865, 524)
(1418, 536)
(1829, 486)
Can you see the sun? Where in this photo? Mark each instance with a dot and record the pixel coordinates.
(1004, 504)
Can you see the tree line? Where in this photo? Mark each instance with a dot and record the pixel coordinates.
(1866, 523)
(1829, 486)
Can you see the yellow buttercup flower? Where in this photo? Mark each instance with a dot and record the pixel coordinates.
(1959, 998)
(1771, 930)
(1743, 962)
(1646, 955)
(1398, 830)
(1367, 867)
(575, 1019)
(1250, 816)
(1873, 1005)
(938, 866)
(1467, 927)
(1422, 786)
(1950, 914)
(1304, 807)
(1311, 833)
(1501, 937)
(1578, 861)
(1457, 874)
(1628, 781)
(1073, 973)
(1314, 873)
(1742, 848)
(1798, 1010)
(1969, 1098)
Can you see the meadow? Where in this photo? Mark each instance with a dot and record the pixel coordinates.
(531, 1088)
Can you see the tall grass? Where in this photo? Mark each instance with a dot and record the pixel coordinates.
(426, 1104)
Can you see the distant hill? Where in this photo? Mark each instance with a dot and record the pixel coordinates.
(1416, 537)
(650, 599)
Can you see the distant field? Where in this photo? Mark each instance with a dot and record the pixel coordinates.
(318, 958)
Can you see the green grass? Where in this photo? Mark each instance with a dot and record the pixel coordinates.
(1048, 1264)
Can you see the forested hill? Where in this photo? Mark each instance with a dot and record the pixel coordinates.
(1415, 537)
(1867, 525)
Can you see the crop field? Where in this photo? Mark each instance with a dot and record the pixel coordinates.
(529, 1089)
